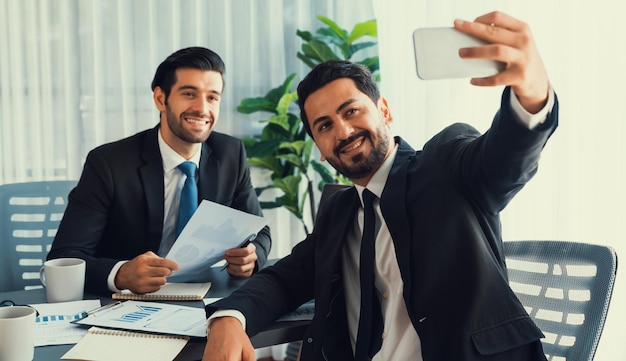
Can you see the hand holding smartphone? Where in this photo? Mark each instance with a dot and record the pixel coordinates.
(437, 55)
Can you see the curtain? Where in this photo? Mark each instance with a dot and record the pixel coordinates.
(75, 74)
(578, 193)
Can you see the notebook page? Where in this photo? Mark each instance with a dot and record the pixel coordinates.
(115, 345)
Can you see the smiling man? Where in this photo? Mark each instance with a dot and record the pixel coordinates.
(408, 263)
(122, 217)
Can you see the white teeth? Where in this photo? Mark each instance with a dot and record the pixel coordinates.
(194, 121)
(355, 146)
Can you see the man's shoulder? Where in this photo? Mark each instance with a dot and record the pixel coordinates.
(222, 139)
(456, 131)
(224, 146)
(134, 141)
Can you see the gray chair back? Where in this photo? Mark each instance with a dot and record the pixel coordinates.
(566, 288)
(30, 214)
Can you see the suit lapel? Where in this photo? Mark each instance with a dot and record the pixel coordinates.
(396, 217)
(344, 213)
(207, 181)
(151, 174)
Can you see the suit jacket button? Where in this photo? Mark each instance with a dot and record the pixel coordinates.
(309, 340)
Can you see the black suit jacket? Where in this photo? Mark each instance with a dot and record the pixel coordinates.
(441, 206)
(116, 210)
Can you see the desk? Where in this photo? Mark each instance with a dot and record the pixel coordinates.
(221, 286)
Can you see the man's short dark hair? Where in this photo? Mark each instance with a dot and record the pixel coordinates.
(191, 58)
(329, 71)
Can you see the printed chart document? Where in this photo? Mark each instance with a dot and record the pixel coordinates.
(114, 345)
(212, 230)
(53, 325)
(151, 317)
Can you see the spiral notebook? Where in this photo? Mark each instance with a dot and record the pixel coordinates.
(116, 345)
(169, 292)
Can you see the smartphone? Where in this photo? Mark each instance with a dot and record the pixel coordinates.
(437, 55)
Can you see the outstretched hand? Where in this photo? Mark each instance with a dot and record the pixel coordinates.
(509, 41)
(144, 273)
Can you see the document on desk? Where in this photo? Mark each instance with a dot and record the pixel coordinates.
(152, 317)
(53, 325)
(212, 230)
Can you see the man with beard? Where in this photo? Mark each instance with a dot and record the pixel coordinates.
(435, 287)
(122, 216)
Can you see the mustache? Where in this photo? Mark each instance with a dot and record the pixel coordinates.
(349, 140)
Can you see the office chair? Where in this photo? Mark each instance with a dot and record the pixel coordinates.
(566, 288)
(29, 217)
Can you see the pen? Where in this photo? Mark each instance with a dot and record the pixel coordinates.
(102, 308)
(245, 244)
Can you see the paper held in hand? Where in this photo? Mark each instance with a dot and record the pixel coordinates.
(212, 230)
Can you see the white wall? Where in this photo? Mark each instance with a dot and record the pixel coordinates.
(578, 193)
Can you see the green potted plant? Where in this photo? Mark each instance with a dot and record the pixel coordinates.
(284, 148)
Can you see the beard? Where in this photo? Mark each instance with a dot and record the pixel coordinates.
(175, 123)
(361, 164)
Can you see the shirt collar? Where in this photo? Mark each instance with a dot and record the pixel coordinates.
(171, 159)
(379, 179)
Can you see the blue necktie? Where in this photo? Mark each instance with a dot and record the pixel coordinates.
(369, 336)
(188, 195)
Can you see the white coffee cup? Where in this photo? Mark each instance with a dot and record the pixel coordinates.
(17, 333)
(64, 279)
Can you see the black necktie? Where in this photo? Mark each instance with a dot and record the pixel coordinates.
(369, 336)
(188, 195)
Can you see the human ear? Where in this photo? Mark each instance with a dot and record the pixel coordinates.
(159, 99)
(383, 107)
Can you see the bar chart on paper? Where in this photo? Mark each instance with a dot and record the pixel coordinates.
(151, 317)
(53, 325)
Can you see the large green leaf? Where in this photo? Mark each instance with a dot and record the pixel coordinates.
(372, 63)
(274, 132)
(326, 35)
(285, 101)
(319, 51)
(360, 46)
(275, 94)
(324, 172)
(289, 185)
(343, 34)
(293, 159)
(262, 149)
(366, 28)
(251, 105)
(296, 146)
(311, 64)
(281, 120)
(268, 162)
(306, 152)
(328, 175)
(304, 35)
(295, 123)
